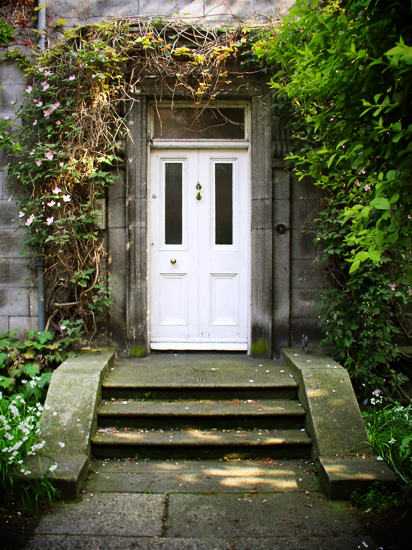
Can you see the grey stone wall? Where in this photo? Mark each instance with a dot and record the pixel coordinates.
(204, 11)
(306, 273)
(18, 299)
(116, 261)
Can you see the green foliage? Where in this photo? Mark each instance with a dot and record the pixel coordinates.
(381, 499)
(389, 430)
(6, 32)
(26, 366)
(343, 79)
(19, 431)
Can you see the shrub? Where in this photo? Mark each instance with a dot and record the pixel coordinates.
(389, 429)
(26, 366)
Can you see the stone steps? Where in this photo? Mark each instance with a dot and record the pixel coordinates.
(125, 443)
(186, 407)
(275, 413)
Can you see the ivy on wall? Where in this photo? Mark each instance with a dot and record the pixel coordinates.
(72, 137)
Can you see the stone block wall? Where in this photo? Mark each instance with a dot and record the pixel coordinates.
(203, 11)
(18, 297)
(116, 261)
(306, 275)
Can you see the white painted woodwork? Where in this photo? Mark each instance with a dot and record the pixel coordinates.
(202, 300)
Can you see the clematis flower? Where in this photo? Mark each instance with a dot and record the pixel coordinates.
(72, 77)
(45, 86)
(46, 113)
(58, 122)
(40, 69)
(392, 286)
(50, 220)
(21, 214)
(51, 203)
(56, 191)
(47, 73)
(49, 155)
(29, 220)
(37, 162)
(29, 89)
(67, 198)
(55, 106)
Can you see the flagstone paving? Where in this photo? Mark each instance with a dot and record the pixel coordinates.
(199, 504)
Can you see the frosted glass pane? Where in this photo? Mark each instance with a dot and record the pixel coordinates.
(183, 123)
(223, 203)
(173, 203)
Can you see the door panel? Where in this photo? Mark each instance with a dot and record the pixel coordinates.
(199, 249)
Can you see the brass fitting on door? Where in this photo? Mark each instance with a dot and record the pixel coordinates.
(198, 196)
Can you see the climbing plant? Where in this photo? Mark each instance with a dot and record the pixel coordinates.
(73, 132)
(342, 72)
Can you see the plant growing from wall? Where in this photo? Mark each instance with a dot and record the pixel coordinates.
(342, 71)
(72, 138)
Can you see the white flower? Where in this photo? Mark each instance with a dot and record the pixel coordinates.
(56, 191)
(53, 467)
(62, 444)
(66, 198)
(29, 89)
(51, 203)
(49, 222)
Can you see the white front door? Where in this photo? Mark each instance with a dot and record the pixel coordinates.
(199, 247)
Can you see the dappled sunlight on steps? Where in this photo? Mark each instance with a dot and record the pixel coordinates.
(200, 406)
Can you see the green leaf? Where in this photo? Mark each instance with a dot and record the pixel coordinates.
(31, 369)
(391, 175)
(380, 203)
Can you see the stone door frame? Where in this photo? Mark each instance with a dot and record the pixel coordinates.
(262, 242)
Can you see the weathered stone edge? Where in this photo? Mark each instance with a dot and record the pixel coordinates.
(340, 443)
(69, 421)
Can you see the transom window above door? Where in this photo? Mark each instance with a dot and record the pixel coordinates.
(180, 122)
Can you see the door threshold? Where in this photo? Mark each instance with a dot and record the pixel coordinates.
(198, 346)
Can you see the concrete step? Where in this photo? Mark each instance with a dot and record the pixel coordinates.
(206, 379)
(127, 443)
(247, 414)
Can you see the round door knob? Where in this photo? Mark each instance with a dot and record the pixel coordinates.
(173, 261)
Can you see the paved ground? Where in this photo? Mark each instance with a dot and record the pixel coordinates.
(208, 505)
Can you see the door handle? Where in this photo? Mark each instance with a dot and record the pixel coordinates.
(198, 196)
(173, 261)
